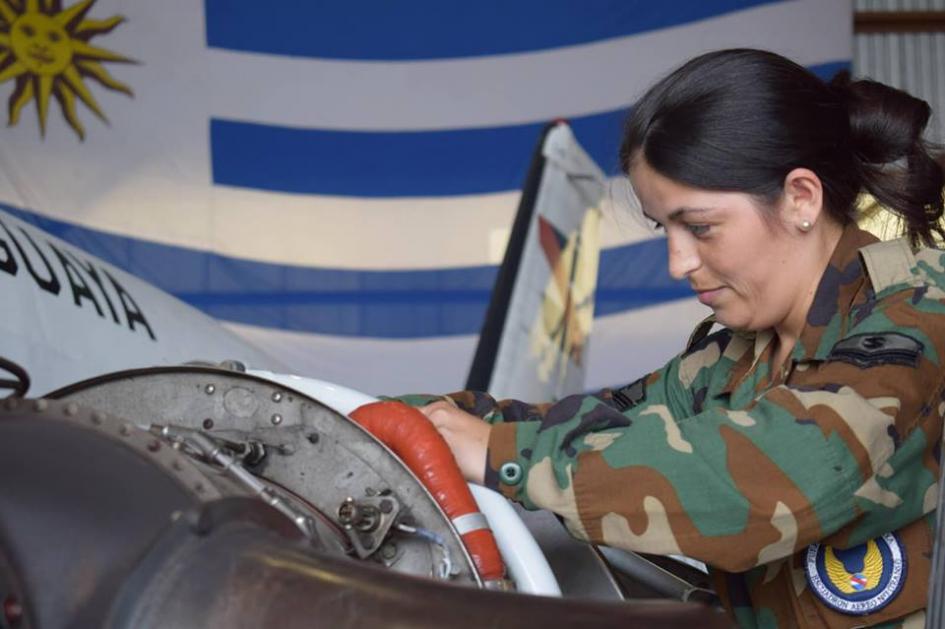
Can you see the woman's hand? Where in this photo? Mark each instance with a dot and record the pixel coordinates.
(466, 435)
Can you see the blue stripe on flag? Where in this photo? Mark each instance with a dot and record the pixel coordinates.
(392, 164)
(432, 29)
(386, 304)
(400, 164)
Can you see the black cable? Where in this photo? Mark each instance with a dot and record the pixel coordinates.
(22, 383)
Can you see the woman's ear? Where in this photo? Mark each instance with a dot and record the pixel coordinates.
(803, 199)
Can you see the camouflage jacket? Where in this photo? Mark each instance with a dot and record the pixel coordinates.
(715, 457)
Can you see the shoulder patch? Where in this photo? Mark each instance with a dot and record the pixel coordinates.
(858, 580)
(871, 350)
(889, 263)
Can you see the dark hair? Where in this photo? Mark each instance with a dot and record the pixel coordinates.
(741, 120)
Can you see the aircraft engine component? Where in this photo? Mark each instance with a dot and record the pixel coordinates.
(414, 439)
(104, 524)
(322, 471)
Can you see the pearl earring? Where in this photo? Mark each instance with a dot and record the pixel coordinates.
(805, 226)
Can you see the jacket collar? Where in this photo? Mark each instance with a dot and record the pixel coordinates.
(840, 288)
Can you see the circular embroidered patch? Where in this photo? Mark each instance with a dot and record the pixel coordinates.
(858, 580)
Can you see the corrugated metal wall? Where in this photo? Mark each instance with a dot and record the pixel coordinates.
(914, 62)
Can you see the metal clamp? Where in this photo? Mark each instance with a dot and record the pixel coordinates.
(470, 522)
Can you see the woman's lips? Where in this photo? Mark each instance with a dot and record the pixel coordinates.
(709, 296)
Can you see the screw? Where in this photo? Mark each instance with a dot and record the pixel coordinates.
(388, 551)
(386, 506)
(277, 397)
(276, 419)
(207, 424)
(210, 389)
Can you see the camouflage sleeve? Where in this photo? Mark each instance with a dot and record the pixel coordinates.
(845, 448)
(487, 407)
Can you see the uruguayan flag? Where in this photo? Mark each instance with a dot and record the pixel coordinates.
(337, 180)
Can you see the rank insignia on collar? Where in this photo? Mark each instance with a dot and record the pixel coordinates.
(858, 580)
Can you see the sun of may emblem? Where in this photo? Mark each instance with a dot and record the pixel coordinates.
(45, 51)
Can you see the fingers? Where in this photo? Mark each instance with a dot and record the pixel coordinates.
(444, 414)
(465, 434)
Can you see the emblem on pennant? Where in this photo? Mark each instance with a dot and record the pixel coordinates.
(858, 580)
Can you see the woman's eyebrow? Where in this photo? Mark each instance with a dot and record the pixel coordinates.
(678, 213)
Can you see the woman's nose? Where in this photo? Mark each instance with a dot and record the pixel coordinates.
(683, 258)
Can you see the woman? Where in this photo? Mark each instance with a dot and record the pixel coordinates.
(795, 450)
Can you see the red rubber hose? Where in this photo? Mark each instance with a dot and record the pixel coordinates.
(412, 437)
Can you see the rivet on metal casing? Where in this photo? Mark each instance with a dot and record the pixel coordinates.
(40, 405)
(210, 389)
(277, 397)
(276, 419)
(71, 409)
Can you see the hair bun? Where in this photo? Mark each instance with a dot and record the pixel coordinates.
(886, 124)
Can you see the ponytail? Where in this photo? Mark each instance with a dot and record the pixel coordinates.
(896, 165)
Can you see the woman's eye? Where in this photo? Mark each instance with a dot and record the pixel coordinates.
(697, 229)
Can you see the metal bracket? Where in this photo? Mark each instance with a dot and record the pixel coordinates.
(367, 521)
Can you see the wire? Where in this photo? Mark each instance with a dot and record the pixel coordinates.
(22, 383)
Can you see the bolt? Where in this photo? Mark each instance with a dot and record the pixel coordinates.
(313, 438)
(71, 409)
(210, 389)
(40, 405)
(386, 506)
(389, 551)
(277, 397)
(207, 424)
(276, 419)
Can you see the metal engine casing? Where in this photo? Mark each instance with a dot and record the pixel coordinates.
(314, 455)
